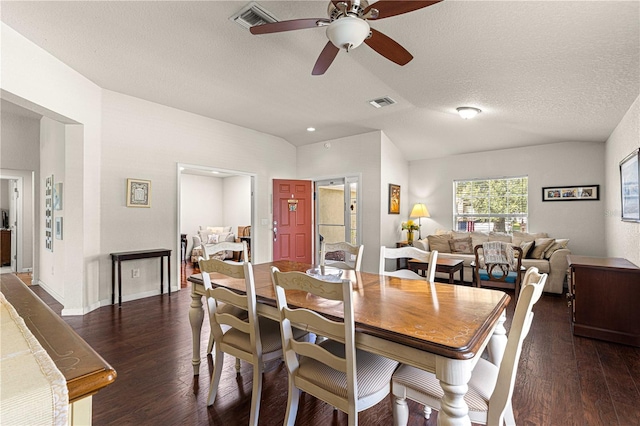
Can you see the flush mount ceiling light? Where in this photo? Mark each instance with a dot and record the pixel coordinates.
(311, 129)
(468, 112)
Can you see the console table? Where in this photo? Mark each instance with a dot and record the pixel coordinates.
(605, 294)
(133, 255)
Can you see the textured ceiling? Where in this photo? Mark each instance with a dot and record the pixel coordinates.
(542, 72)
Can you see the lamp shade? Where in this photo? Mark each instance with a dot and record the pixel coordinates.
(419, 210)
(348, 33)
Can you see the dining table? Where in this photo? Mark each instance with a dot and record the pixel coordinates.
(438, 327)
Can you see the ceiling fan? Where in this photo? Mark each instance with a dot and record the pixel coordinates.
(347, 28)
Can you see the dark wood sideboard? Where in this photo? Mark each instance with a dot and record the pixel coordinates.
(605, 297)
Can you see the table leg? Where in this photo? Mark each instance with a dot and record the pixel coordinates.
(169, 274)
(454, 376)
(462, 275)
(451, 272)
(196, 317)
(161, 275)
(498, 342)
(119, 283)
(113, 281)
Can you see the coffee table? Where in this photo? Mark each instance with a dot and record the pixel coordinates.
(445, 265)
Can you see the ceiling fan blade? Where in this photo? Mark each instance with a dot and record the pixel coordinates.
(388, 48)
(325, 59)
(388, 8)
(294, 24)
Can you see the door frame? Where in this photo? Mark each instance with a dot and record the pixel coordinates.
(16, 258)
(180, 167)
(347, 179)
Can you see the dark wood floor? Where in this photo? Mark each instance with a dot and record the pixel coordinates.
(562, 379)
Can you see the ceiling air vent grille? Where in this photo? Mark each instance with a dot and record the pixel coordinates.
(253, 14)
(382, 102)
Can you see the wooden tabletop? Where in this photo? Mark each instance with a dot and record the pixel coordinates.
(444, 319)
(601, 262)
(85, 371)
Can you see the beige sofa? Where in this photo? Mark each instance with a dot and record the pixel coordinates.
(211, 235)
(549, 255)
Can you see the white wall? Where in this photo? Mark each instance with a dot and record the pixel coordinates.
(34, 79)
(201, 204)
(52, 152)
(561, 164)
(4, 194)
(20, 156)
(623, 238)
(394, 169)
(352, 155)
(236, 202)
(145, 140)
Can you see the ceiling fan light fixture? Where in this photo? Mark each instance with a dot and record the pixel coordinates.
(468, 112)
(348, 32)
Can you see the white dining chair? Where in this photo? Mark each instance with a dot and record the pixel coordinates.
(491, 385)
(407, 252)
(334, 371)
(210, 251)
(255, 340)
(350, 254)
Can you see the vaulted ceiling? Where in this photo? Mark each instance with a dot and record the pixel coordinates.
(542, 72)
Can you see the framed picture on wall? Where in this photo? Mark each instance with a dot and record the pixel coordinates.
(138, 193)
(58, 228)
(394, 199)
(571, 193)
(629, 191)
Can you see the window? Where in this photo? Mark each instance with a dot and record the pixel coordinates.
(499, 205)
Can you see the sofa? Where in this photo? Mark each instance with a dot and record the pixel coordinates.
(211, 235)
(547, 254)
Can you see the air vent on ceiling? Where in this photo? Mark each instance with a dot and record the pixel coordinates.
(382, 102)
(253, 14)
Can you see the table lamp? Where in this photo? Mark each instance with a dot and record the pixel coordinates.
(419, 210)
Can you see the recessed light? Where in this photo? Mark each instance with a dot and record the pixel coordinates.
(468, 112)
(215, 172)
(311, 129)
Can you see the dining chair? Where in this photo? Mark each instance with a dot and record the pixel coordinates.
(498, 264)
(345, 255)
(334, 371)
(254, 339)
(404, 253)
(211, 250)
(491, 385)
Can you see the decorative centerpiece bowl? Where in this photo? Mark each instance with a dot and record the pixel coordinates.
(326, 273)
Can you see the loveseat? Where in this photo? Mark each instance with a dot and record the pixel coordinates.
(547, 254)
(211, 235)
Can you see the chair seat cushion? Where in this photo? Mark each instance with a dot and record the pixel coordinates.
(373, 371)
(269, 336)
(481, 385)
(511, 276)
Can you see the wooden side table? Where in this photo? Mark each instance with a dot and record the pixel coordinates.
(118, 258)
(447, 266)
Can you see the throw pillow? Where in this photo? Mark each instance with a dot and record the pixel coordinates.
(478, 238)
(519, 237)
(526, 246)
(541, 245)
(213, 239)
(461, 245)
(557, 245)
(439, 243)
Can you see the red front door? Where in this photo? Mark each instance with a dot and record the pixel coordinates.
(292, 239)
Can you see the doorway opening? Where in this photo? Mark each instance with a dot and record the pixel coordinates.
(337, 214)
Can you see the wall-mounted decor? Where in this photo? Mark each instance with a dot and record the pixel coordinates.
(571, 193)
(138, 193)
(58, 228)
(57, 196)
(629, 187)
(394, 199)
(48, 213)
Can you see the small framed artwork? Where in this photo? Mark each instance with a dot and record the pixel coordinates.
(629, 187)
(138, 193)
(58, 228)
(57, 196)
(571, 193)
(394, 199)
(48, 213)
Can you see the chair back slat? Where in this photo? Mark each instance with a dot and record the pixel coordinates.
(407, 252)
(352, 255)
(301, 281)
(209, 250)
(302, 318)
(317, 352)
